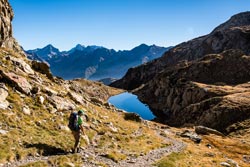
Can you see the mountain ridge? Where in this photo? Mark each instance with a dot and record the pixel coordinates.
(94, 62)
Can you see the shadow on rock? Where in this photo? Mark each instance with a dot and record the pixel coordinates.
(46, 150)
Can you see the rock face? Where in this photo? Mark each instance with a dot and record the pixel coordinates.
(199, 92)
(6, 36)
(20, 83)
(200, 82)
(3, 95)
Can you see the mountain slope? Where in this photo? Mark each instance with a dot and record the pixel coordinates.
(94, 62)
(189, 85)
(234, 34)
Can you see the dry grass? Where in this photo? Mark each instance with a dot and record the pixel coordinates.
(201, 155)
(39, 133)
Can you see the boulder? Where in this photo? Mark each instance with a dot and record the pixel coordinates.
(232, 163)
(76, 97)
(3, 95)
(96, 101)
(61, 104)
(64, 128)
(20, 64)
(50, 92)
(206, 131)
(35, 90)
(42, 68)
(191, 135)
(26, 110)
(225, 164)
(41, 99)
(132, 116)
(17, 81)
(3, 132)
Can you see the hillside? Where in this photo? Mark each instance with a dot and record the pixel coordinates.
(34, 111)
(94, 62)
(201, 82)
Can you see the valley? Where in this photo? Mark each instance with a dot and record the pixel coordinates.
(198, 91)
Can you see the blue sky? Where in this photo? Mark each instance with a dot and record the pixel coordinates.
(118, 24)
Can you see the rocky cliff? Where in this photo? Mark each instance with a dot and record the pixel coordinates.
(200, 82)
(6, 35)
(211, 91)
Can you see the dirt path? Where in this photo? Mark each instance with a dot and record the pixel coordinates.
(89, 152)
(141, 161)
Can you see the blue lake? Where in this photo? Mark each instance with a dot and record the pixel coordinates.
(130, 103)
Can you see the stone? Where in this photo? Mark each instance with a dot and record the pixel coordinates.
(69, 164)
(50, 92)
(225, 164)
(35, 90)
(26, 111)
(41, 99)
(3, 95)
(232, 163)
(4, 105)
(132, 116)
(96, 101)
(61, 104)
(246, 158)
(209, 154)
(17, 81)
(112, 128)
(64, 128)
(42, 68)
(3, 132)
(76, 97)
(21, 64)
(205, 131)
(191, 135)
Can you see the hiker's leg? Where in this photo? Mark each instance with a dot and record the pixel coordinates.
(76, 135)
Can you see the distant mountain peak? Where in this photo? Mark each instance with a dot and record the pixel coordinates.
(50, 48)
(79, 47)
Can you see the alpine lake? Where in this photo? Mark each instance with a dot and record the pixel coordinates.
(130, 103)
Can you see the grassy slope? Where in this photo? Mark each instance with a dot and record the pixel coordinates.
(222, 149)
(40, 133)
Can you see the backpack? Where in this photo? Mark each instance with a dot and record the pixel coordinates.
(73, 122)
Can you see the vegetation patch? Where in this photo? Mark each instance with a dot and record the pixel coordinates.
(171, 160)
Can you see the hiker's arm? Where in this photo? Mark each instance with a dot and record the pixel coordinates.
(82, 129)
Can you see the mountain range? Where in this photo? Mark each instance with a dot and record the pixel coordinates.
(94, 62)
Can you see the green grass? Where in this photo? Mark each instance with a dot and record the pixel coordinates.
(115, 156)
(170, 161)
(36, 164)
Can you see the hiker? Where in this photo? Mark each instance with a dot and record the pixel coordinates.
(76, 126)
